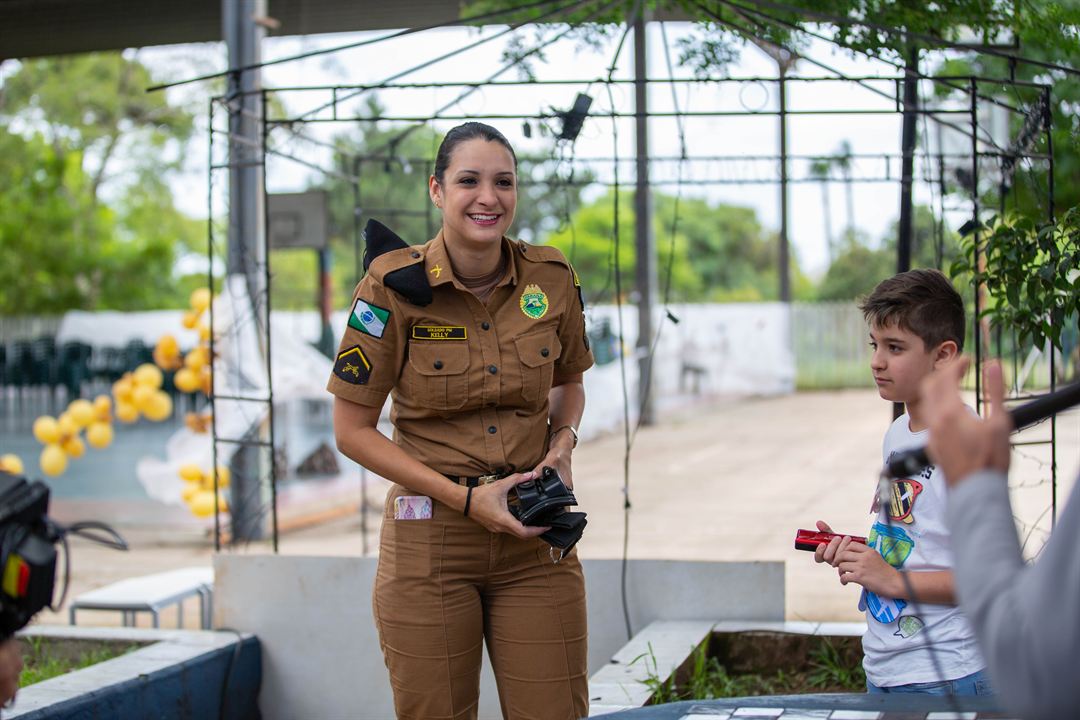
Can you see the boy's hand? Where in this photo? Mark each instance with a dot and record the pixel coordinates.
(864, 566)
(827, 553)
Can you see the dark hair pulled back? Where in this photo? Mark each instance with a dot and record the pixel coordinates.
(463, 133)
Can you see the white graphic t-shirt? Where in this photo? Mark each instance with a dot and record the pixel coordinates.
(914, 537)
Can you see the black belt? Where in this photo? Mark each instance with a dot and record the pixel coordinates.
(479, 479)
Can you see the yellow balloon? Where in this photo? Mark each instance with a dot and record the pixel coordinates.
(74, 447)
(81, 411)
(141, 397)
(190, 320)
(102, 406)
(223, 502)
(191, 473)
(148, 375)
(204, 332)
(67, 425)
(224, 477)
(200, 299)
(46, 430)
(196, 358)
(168, 346)
(123, 388)
(53, 460)
(206, 380)
(11, 464)
(99, 435)
(202, 503)
(158, 407)
(189, 491)
(126, 412)
(186, 380)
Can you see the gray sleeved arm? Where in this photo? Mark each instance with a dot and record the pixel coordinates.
(1026, 618)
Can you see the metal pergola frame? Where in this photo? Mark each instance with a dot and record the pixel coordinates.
(971, 86)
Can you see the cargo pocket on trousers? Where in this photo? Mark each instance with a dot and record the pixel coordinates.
(407, 547)
(537, 353)
(439, 374)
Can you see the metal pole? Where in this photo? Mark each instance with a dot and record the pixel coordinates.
(907, 148)
(907, 169)
(644, 242)
(246, 249)
(783, 259)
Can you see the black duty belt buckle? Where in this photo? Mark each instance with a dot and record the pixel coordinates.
(543, 501)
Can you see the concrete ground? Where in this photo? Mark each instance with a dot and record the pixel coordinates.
(728, 480)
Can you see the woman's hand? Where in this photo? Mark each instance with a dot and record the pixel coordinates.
(558, 457)
(488, 507)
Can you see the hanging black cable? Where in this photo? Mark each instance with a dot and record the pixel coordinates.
(351, 46)
(619, 318)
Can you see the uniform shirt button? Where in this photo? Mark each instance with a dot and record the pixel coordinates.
(492, 369)
(485, 325)
(545, 352)
(416, 254)
(438, 364)
(492, 429)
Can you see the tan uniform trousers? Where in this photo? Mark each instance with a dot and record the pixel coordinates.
(444, 585)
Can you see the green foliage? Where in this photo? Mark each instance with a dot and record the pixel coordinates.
(706, 678)
(858, 268)
(832, 667)
(717, 253)
(1031, 274)
(720, 27)
(85, 123)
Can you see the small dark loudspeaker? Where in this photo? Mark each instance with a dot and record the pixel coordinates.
(573, 119)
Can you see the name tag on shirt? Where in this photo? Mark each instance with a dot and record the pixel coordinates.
(438, 332)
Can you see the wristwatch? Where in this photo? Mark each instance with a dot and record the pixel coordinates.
(571, 428)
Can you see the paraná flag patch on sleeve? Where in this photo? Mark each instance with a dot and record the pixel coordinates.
(369, 319)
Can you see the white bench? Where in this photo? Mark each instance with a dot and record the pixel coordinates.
(152, 593)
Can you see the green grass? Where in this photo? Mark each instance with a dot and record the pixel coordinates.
(40, 664)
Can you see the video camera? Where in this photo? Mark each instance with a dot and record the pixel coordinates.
(28, 550)
(543, 501)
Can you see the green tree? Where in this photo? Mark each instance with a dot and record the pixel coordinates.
(717, 253)
(858, 268)
(79, 130)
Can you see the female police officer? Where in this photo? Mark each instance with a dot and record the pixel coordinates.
(487, 385)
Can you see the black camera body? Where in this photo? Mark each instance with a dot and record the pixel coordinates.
(27, 552)
(543, 502)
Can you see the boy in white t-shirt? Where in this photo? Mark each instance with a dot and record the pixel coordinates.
(916, 321)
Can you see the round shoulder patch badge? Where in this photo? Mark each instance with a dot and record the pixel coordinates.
(534, 302)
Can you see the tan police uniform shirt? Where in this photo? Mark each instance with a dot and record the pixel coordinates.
(469, 381)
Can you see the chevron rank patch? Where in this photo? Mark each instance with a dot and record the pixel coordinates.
(352, 366)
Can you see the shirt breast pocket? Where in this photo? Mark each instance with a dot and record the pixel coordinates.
(439, 377)
(537, 353)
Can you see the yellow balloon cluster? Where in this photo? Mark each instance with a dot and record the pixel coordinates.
(193, 371)
(198, 490)
(139, 392)
(62, 436)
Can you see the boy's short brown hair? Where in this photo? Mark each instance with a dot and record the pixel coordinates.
(923, 302)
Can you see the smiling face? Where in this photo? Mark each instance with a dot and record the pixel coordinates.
(478, 194)
(901, 360)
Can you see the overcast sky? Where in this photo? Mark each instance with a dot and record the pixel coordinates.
(875, 204)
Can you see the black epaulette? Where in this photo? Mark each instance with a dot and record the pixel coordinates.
(410, 281)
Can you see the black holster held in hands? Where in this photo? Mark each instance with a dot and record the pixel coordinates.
(543, 501)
